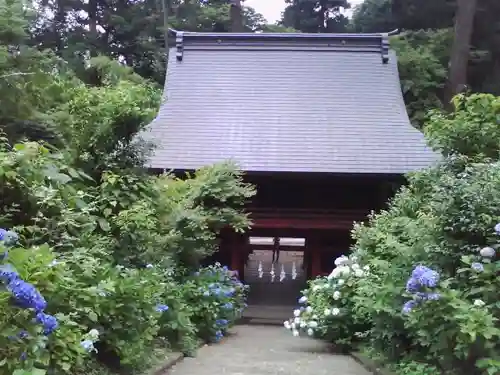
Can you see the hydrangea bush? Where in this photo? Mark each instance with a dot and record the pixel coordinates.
(218, 298)
(326, 309)
(56, 314)
(32, 336)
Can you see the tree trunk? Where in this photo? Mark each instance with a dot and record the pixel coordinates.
(236, 17)
(92, 14)
(464, 24)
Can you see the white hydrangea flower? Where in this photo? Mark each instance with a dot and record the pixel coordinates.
(309, 309)
(295, 333)
(336, 295)
(479, 303)
(296, 312)
(354, 258)
(310, 332)
(315, 316)
(341, 260)
(287, 324)
(359, 273)
(316, 288)
(327, 312)
(297, 320)
(366, 268)
(303, 324)
(313, 324)
(303, 299)
(487, 252)
(293, 325)
(355, 266)
(340, 282)
(335, 311)
(94, 334)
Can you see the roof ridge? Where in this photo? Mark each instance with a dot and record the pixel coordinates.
(378, 41)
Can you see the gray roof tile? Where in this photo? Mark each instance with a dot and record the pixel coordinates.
(303, 104)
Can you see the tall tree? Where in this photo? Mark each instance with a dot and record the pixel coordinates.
(316, 16)
(460, 51)
(373, 16)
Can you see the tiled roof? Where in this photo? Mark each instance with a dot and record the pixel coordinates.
(286, 103)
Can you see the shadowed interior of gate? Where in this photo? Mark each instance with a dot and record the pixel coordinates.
(273, 297)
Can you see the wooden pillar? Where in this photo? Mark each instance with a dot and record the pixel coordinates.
(313, 248)
(238, 248)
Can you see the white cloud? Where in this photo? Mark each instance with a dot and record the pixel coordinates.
(271, 9)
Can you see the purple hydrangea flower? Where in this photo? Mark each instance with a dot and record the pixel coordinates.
(48, 322)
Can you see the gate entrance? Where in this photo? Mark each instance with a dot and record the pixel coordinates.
(276, 275)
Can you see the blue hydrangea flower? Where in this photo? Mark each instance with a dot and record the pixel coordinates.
(8, 237)
(409, 306)
(23, 356)
(477, 267)
(26, 295)
(221, 322)
(88, 345)
(412, 285)
(422, 277)
(161, 308)
(23, 334)
(218, 335)
(433, 296)
(497, 228)
(206, 293)
(7, 274)
(229, 292)
(48, 322)
(227, 306)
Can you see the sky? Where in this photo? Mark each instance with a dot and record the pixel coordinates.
(271, 9)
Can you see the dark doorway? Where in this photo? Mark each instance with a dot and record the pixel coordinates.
(274, 286)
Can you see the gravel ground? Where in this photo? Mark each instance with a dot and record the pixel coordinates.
(267, 350)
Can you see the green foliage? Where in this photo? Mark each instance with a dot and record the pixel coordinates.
(472, 130)
(422, 62)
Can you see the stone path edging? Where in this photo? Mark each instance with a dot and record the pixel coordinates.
(370, 365)
(170, 362)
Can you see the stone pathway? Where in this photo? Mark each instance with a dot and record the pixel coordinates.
(267, 350)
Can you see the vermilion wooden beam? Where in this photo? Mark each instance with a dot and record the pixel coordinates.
(297, 223)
